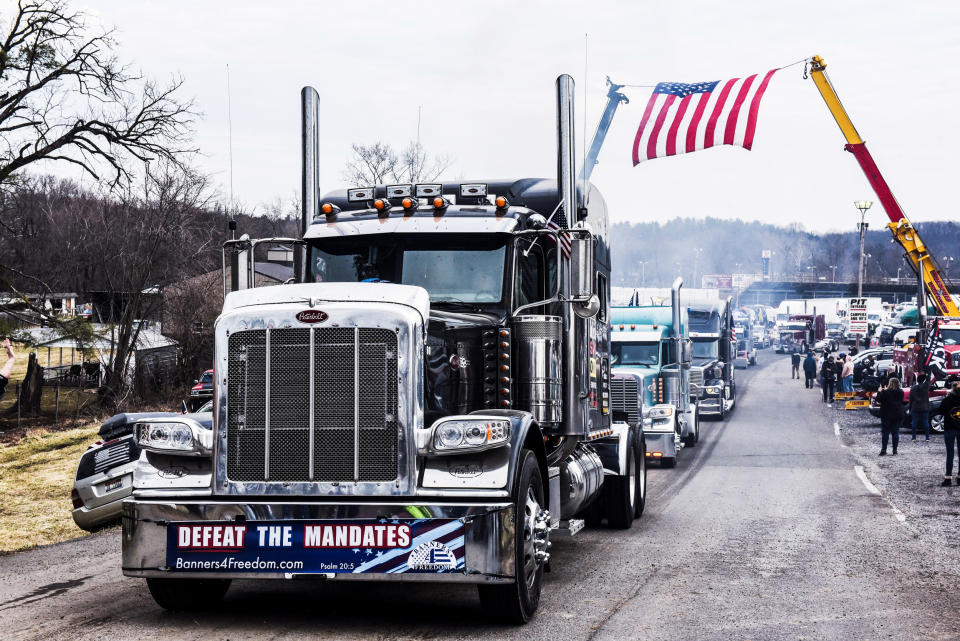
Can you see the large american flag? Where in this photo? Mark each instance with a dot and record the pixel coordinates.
(683, 117)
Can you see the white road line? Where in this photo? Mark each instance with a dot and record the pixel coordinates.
(836, 429)
(863, 477)
(897, 514)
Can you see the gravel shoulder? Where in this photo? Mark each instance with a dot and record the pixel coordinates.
(910, 480)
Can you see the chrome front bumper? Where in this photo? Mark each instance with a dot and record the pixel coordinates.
(710, 405)
(663, 442)
(488, 537)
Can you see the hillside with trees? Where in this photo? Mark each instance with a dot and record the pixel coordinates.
(655, 253)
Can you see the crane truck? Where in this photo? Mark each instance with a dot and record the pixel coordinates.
(430, 401)
(931, 352)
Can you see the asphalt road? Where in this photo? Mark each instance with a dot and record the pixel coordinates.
(763, 531)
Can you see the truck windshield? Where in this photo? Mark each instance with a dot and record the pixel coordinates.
(452, 269)
(705, 348)
(950, 336)
(634, 353)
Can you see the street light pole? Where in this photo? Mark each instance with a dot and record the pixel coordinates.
(863, 206)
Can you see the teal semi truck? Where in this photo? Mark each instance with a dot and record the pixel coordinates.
(650, 355)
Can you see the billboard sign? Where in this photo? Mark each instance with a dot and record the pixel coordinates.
(717, 281)
(857, 315)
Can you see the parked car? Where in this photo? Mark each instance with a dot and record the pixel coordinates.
(105, 472)
(875, 358)
(936, 417)
(202, 391)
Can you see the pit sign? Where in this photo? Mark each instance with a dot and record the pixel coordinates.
(857, 315)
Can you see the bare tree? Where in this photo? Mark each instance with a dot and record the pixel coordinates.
(378, 163)
(64, 96)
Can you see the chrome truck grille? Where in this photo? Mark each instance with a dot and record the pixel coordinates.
(696, 379)
(317, 404)
(624, 397)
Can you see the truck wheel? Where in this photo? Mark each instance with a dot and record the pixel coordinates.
(625, 493)
(693, 439)
(517, 602)
(187, 594)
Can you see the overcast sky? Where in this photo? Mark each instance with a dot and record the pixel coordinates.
(484, 73)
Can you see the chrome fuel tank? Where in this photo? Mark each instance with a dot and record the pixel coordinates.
(538, 367)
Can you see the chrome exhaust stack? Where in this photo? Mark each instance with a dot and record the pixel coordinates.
(675, 306)
(310, 170)
(573, 421)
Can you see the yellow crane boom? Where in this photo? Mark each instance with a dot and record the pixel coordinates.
(903, 232)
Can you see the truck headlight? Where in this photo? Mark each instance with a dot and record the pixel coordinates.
(458, 434)
(659, 418)
(174, 437)
(660, 412)
(712, 389)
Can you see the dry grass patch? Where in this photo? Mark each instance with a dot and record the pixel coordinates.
(36, 477)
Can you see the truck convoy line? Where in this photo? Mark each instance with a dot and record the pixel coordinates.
(430, 401)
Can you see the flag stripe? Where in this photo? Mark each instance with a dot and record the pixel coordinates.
(735, 111)
(657, 126)
(717, 108)
(675, 126)
(695, 123)
(643, 123)
(755, 109)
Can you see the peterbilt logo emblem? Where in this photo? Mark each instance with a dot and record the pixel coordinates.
(312, 316)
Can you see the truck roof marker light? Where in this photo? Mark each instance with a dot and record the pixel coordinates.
(502, 205)
(409, 205)
(329, 210)
(440, 204)
(621, 326)
(632, 327)
(382, 205)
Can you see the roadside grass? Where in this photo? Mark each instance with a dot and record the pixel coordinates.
(66, 405)
(36, 477)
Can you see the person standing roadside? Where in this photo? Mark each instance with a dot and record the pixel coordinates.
(892, 405)
(7, 370)
(795, 362)
(950, 407)
(846, 374)
(920, 405)
(809, 370)
(828, 379)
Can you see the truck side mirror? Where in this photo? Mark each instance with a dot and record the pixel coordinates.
(581, 267)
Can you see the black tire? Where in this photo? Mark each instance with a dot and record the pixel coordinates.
(642, 473)
(668, 461)
(693, 439)
(621, 493)
(517, 602)
(936, 423)
(188, 594)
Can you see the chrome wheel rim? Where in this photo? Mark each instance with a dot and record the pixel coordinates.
(632, 469)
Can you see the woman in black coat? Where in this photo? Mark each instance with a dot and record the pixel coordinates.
(950, 408)
(892, 405)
